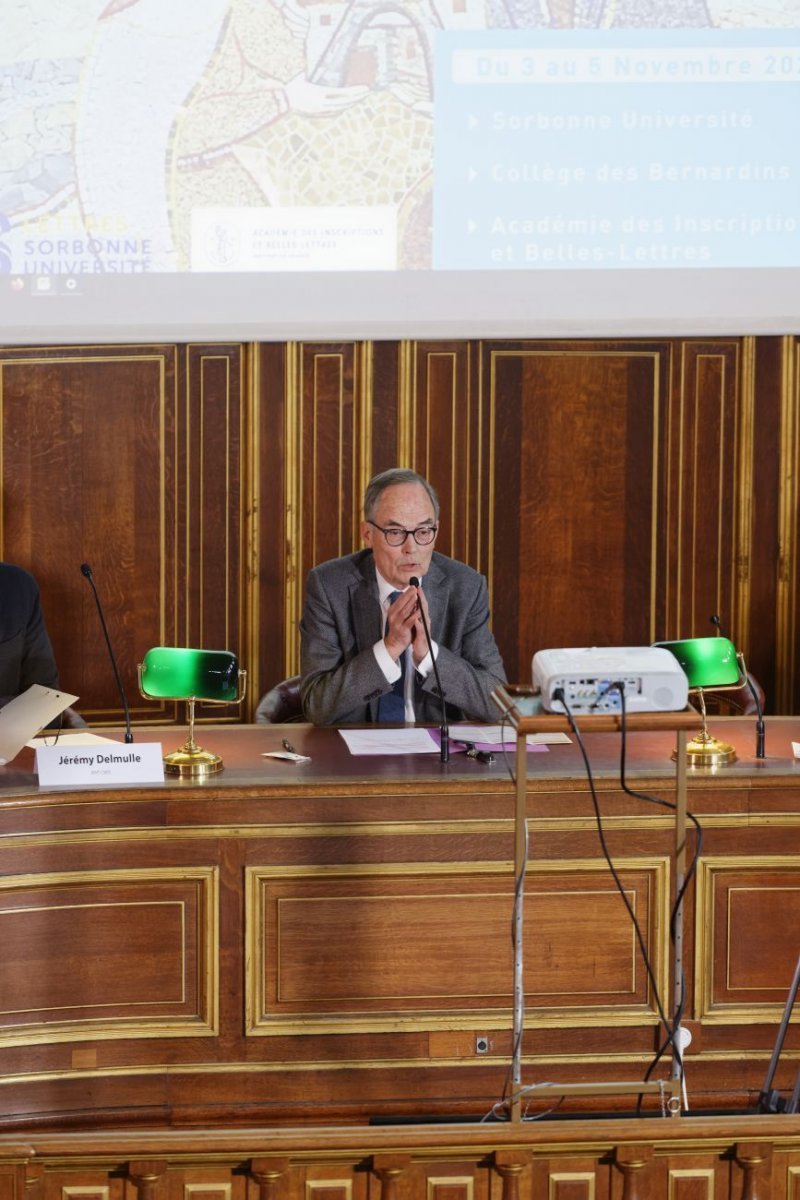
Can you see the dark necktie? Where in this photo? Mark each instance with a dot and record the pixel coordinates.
(392, 706)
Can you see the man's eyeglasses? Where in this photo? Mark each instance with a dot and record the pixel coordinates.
(423, 535)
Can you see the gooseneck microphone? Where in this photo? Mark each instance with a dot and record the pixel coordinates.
(760, 734)
(444, 732)
(87, 571)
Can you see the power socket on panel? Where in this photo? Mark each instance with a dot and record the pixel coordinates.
(482, 1044)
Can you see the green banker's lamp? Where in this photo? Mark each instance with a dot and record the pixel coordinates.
(710, 664)
(180, 673)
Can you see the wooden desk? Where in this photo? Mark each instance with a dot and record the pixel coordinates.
(282, 944)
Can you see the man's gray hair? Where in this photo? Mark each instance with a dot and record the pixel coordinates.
(386, 479)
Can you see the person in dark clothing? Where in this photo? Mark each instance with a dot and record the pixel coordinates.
(26, 655)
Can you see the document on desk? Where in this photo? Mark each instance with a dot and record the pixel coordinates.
(74, 737)
(503, 735)
(26, 714)
(382, 739)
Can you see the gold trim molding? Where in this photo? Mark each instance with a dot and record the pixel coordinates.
(418, 1020)
(197, 1024)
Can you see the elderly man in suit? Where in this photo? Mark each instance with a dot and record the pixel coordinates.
(364, 653)
(26, 655)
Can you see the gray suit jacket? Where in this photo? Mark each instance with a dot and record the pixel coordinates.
(342, 619)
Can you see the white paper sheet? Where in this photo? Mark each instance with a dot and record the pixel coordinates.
(72, 737)
(385, 740)
(496, 735)
(25, 715)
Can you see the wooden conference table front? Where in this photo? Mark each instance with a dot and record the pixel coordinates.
(332, 941)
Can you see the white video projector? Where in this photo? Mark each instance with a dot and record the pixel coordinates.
(653, 679)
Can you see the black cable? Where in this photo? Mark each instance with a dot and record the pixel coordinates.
(559, 694)
(690, 873)
(519, 886)
(668, 1026)
(692, 868)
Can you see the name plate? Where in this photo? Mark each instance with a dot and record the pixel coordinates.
(111, 763)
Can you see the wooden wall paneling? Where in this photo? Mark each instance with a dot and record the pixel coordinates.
(88, 474)
(328, 442)
(575, 433)
(792, 1182)
(209, 1183)
(329, 482)
(528, 443)
(712, 1176)
(744, 961)
(164, 919)
(705, 500)
(328, 415)
(330, 1181)
(788, 647)
(745, 515)
(505, 512)
(356, 948)
(314, 414)
(770, 381)
(575, 1180)
(396, 1177)
(689, 1182)
(273, 518)
(601, 1160)
(338, 943)
(489, 502)
(80, 1184)
(453, 1181)
(212, 506)
(442, 436)
(392, 384)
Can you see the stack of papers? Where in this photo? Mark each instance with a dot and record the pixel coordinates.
(382, 739)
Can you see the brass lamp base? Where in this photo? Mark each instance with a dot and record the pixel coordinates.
(705, 752)
(192, 760)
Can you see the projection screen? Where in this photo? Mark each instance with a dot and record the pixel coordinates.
(325, 169)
